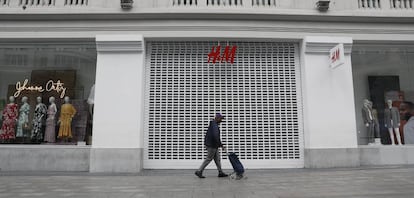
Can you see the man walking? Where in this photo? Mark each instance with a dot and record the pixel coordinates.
(212, 142)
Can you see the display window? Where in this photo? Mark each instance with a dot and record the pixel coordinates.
(384, 92)
(47, 92)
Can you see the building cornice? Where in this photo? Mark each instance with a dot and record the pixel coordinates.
(120, 43)
(221, 14)
(316, 44)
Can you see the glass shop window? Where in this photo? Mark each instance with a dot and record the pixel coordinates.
(384, 92)
(47, 92)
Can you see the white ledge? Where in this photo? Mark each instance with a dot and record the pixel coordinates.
(120, 43)
(322, 44)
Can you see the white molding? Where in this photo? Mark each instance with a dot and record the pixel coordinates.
(382, 47)
(119, 43)
(318, 44)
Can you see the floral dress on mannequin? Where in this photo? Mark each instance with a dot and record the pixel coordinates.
(9, 122)
(39, 117)
(23, 120)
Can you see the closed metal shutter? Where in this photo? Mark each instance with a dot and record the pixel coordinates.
(259, 95)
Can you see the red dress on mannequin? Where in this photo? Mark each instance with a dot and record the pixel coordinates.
(8, 128)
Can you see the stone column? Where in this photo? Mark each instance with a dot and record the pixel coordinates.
(117, 140)
(330, 133)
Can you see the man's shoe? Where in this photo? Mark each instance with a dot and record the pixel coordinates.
(222, 175)
(199, 174)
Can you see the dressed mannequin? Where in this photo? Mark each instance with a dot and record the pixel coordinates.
(376, 124)
(91, 99)
(91, 102)
(23, 122)
(50, 135)
(38, 120)
(67, 112)
(369, 121)
(8, 127)
(392, 122)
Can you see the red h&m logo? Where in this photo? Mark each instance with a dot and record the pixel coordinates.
(227, 56)
(335, 55)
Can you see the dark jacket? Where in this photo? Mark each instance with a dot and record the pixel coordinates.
(212, 138)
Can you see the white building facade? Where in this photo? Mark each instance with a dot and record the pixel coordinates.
(289, 102)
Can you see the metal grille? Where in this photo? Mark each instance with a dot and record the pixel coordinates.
(369, 4)
(37, 2)
(258, 94)
(76, 2)
(184, 2)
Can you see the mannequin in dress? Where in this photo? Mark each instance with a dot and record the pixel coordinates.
(67, 112)
(38, 120)
(392, 122)
(23, 122)
(8, 127)
(50, 134)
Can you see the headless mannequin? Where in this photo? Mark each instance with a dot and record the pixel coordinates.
(392, 122)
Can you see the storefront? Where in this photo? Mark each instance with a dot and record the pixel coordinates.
(153, 101)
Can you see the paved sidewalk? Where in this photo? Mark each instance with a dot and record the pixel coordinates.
(384, 182)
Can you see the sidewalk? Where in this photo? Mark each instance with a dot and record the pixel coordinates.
(384, 182)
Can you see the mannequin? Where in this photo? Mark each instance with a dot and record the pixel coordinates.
(91, 99)
(38, 120)
(50, 135)
(91, 102)
(392, 122)
(67, 112)
(376, 124)
(369, 121)
(9, 121)
(23, 122)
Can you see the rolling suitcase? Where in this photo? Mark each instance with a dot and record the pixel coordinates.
(237, 166)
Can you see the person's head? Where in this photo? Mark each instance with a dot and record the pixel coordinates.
(219, 118)
(407, 109)
(39, 99)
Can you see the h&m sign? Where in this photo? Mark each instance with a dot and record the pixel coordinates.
(337, 56)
